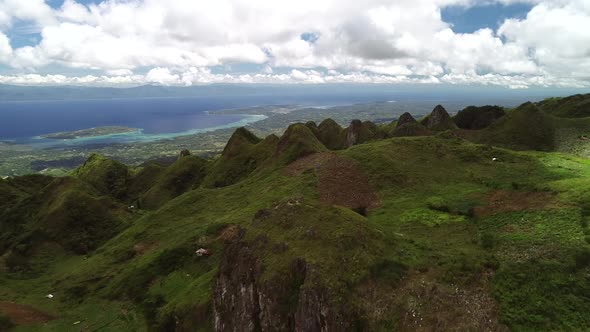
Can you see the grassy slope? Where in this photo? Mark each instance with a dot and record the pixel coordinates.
(428, 187)
(577, 106)
(529, 128)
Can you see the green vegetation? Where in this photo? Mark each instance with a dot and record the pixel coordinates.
(473, 117)
(453, 235)
(577, 106)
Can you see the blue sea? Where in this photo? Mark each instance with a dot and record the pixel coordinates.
(22, 122)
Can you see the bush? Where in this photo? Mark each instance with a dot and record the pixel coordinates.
(5, 323)
(488, 240)
(582, 258)
(438, 204)
(389, 270)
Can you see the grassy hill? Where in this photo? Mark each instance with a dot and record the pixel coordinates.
(397, 233)
(576, 106)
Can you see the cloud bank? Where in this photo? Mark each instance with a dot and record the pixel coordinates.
(185, 42)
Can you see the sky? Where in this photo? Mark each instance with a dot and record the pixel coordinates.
(516, 44)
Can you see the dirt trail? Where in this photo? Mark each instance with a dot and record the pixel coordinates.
(21, 314)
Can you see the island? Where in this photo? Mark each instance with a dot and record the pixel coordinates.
(90, 132)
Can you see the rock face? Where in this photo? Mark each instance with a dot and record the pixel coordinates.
(184, 153)
(439, 119)
(292, 301)
(405, 118)
(408, 126)
(360, 132)
(353, 133)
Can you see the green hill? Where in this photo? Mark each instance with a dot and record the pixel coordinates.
(331, 135)
(185, 174)
(474, 117)
(297, 141)
(243, 154)
(434, 232)
(577, 106)
(529, 128)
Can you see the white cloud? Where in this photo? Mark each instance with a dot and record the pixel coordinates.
(35, 11)
(5, 48)
(203, 75)
(162, 76)
(370, 41)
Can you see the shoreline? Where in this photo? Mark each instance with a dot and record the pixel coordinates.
(135, 136)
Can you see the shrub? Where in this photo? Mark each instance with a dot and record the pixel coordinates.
(582, 258)
(5, 323)
(438, 204)
(488, 240)
(389, 270)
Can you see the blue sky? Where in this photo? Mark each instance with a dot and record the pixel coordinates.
(469, 19)
(510, 43)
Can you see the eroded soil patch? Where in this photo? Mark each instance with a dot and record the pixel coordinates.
(511, 201)
(430, 306)
(311, 162)
(342, 182)
(21, 314)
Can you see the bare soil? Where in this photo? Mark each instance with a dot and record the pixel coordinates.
(21, 314)
(511, 201)
(340, 180)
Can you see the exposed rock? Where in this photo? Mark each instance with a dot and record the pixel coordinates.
(408, 126)
(184, 153)
(353, 132)
(360, 132)
(439, 120)
(288, 301)
(405, 118)
(313, 127)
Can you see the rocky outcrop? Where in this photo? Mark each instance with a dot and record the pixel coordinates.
(240, 139)
(408, 126)
(353, 132)
(360, 132)
(475, 118)
(293, 300)
(298, 141)
(331, 135)
(439, 120)
(184, 153)
(405, 118)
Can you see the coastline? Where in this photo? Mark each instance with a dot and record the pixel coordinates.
(135, 136)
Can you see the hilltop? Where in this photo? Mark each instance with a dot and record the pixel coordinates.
(414, 224)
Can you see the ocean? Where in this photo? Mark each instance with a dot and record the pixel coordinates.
(22, 122)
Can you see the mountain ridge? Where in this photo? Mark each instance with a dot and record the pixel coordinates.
(437, 229)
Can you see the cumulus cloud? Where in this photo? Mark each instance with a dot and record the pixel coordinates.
(5, 48)
(319, 41)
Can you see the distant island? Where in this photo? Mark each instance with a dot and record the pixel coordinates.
(90, 132)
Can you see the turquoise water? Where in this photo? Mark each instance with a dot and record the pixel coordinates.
(135, 136)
